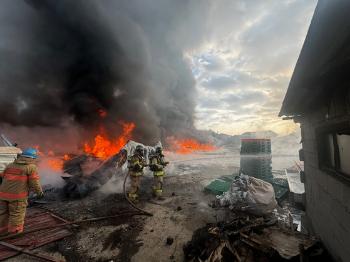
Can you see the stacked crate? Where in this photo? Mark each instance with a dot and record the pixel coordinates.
(255, 146)
(256, 159)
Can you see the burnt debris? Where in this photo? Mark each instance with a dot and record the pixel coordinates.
(79, 184)
(250, 238)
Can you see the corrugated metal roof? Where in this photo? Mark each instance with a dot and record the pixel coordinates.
(36, 218)
(324, 61)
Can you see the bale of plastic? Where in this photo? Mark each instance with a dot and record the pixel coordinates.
(249, 194)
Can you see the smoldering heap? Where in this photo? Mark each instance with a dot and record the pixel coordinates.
(68, 61)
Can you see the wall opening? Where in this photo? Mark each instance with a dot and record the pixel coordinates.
(334, 150)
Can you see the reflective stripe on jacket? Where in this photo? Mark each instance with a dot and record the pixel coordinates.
(136, 164)
(157, 161)
(18, 179)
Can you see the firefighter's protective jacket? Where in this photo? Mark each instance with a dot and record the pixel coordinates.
(136, 163)
(157, 164)
(18, 179)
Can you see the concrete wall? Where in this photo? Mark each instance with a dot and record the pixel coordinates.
(327, 196)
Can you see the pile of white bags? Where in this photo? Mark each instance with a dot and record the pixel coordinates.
(249, 194)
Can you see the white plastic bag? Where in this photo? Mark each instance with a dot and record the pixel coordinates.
(250, 194)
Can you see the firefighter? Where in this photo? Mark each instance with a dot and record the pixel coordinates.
(136, 164)
(157, 165)
(18, 179)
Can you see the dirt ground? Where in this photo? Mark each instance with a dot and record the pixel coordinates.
(141, 238)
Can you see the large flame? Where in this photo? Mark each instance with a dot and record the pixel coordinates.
(55, 164)
(51, 160)
(188, 146)
(104, 147)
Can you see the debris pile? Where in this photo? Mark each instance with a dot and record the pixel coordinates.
(248, 238)
(249, 194)
(79, 185)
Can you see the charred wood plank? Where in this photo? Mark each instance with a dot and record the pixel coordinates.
(30, 253)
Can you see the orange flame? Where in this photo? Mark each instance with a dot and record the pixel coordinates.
(104, 147)
(51, 160)
(55, 164)
(187, 146)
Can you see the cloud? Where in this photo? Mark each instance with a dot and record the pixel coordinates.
(245, 63)
(211, 62)
(245, 98)
(219, 82)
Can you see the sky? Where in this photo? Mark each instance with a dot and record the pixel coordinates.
(244, 64)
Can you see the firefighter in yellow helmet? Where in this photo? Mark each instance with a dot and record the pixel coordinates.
(18, 179)
(136, 164)
(157, 164)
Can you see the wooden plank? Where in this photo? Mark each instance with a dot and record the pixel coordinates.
(35, 219)
(24, 251)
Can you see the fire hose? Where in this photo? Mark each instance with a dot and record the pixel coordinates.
(130, 202)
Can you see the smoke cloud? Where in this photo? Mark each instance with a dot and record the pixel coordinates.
(67, 61)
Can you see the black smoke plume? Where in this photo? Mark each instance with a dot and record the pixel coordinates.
(65, 61)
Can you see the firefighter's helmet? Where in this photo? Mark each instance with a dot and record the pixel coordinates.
(139, 150)
(30, 152)
(158, 150)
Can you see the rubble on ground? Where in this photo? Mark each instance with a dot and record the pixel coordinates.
(259, 231)
(248, 238)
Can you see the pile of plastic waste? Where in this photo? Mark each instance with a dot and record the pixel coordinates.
(249, 194)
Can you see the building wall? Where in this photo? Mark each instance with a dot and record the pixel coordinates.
(327, 196)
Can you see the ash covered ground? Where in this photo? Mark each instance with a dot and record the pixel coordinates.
(142, 238)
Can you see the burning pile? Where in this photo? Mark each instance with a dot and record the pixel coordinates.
(101, 147)
(104, 147)
(189, 145)
(80, 182)
(102, 156)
